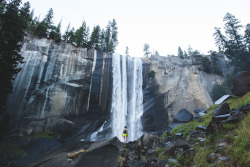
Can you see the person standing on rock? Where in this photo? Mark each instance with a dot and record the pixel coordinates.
(125, 134)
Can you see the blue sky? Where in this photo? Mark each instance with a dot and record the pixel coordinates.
(163, 24)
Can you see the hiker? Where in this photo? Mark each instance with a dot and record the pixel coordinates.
(125, 134)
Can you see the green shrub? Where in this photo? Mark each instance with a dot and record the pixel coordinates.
(151, 74)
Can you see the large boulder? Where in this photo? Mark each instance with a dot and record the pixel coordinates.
(241, 84)
(103, 153)
(183, 116)
(100, 154)
(146, 141)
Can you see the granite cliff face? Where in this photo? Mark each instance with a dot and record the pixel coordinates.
(177, 84)
(57, 83)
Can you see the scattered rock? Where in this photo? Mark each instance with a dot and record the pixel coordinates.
(235, 116)
(223, 109)
(178, 147)
(222, 160)
(172, 161)
(245, 108)
(152, 153)
(189, 153)
(223, 144)
(201, 139)
(178, 136)
(162, 163)
(135, 163)
(168, 144)
(195, 134)
(212, 157)
(241, 84)
(146, 140)
(214, 127)
(201, 128)
(221, 118)
(199, 111)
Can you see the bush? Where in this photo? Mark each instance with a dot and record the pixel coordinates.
(151, 74)
(217, 92)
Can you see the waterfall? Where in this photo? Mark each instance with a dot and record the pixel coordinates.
(127, 97)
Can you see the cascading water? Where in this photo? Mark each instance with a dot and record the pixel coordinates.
(127, 97)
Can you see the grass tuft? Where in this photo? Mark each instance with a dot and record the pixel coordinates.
(48, 135)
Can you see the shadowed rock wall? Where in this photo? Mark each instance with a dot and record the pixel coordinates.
(58, 82)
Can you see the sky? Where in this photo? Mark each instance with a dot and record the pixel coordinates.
(163, 24)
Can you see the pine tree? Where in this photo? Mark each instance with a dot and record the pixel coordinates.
(185, 54)
(13, 22)
(44, 27)
(71, 38)
(247, 36)
(111, 35)
(95, 38)
(55, 32)
(102, 40)
(180, 53)
(146, 49)
(82, 35)
(233, 44)
(65, 36)
(157, 53)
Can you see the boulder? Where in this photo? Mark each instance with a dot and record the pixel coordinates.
(100, 154)
(236, 116)
(178, 136)
(183, 115)
(223, 109)
(212, 157)
(168, 144)
(221, 118)
(200, 128)
(189, 153)
(245, 108)
(214, 127)
(135, 163)
(152, 153)
(198, 111)
(241, 83)
(195, 134)
(222, 160)
(146, 141)
(103, 153)
(162, 162)
(178, 147)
